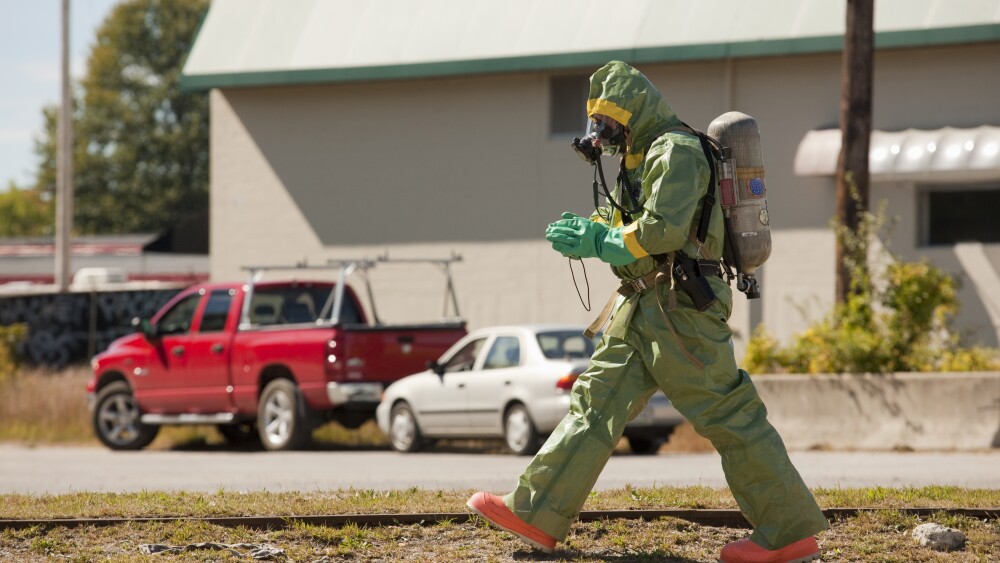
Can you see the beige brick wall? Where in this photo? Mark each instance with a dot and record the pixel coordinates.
(466, 165)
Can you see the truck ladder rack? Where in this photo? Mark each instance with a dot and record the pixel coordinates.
(346, 267)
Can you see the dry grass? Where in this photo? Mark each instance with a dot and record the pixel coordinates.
(685, 440)
(45, 407)
(50, 407)
(882, 536)
(39, 406)
(415, 500)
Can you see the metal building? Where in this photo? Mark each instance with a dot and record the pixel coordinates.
(425, 128)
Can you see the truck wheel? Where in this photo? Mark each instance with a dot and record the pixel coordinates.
(404, 433)
(116, 419)
(519, 431)
(281, 420)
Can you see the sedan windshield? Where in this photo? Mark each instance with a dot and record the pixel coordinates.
(565, 344)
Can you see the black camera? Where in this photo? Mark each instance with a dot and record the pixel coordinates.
(689, 277)
(586, 149)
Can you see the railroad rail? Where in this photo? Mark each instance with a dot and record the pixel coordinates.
(730, 518)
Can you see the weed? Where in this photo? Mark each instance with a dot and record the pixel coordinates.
(44, 545)
(880, 536)
(45, 407)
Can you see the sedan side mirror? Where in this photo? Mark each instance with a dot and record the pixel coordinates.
(436, 368)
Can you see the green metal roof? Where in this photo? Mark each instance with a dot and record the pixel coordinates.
(269, 42)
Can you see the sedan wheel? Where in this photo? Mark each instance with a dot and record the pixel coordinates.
(404, 433)
(281, 422)
(519, 431)
(116, 419)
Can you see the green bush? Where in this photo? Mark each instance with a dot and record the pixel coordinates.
(10, 338)
(896, 319)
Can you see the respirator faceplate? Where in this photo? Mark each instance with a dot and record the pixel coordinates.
(603, 135)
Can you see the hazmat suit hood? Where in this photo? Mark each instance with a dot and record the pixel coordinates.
(624, 94)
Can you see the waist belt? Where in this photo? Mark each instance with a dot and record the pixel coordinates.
(662, 274)
(629, 288)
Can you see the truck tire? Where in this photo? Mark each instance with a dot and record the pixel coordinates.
(281, 418)
(404, 432)
(116, 419)
(519, 431)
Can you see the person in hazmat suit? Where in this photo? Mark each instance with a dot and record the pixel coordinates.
(658, 338)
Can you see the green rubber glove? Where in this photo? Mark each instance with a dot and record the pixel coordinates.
(577, 237)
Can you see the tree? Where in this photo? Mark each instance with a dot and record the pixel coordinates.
(24, 212)
(855, 127)
(141, 145)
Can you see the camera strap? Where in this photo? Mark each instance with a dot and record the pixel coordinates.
(585, 280)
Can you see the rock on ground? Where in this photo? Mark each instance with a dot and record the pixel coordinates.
(938, 537)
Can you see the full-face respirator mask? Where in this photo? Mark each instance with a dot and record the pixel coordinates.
(604, 136)
(601, 137)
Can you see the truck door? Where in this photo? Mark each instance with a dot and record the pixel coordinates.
(208, 350)
(157, 378)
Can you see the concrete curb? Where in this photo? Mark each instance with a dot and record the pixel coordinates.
(919, 411)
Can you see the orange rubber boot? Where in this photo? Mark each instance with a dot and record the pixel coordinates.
(745, 551)
(494, 511)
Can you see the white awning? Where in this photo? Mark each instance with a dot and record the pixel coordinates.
(947, 154)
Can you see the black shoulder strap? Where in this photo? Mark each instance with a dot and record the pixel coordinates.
(708, 202)
(730, 250)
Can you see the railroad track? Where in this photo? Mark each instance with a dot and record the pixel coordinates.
(709, 517)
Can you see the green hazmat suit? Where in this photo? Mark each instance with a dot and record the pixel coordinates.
(638, 353)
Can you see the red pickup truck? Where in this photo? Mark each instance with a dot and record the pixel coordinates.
(271, 359)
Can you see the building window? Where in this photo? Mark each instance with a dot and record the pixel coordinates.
(568, 104)
(952, 215)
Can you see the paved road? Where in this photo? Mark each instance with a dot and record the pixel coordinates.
(58, 470)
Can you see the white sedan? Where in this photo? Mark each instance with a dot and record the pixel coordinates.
(509, 382)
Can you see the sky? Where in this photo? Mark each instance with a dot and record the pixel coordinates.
(30, 72)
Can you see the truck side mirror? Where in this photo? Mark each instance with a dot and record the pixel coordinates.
(145, 327)
(436, 368)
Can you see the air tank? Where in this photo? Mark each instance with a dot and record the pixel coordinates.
(743, 197)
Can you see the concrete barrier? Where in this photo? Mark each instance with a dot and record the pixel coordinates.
(919, 411)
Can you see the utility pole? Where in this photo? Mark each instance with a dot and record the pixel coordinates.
(64, 166)
(855, 128)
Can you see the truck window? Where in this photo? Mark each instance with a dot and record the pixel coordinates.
(465, 358)
(505, 353)
(216, 311)
(287, 304)
(178, 319)
(349, 314)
